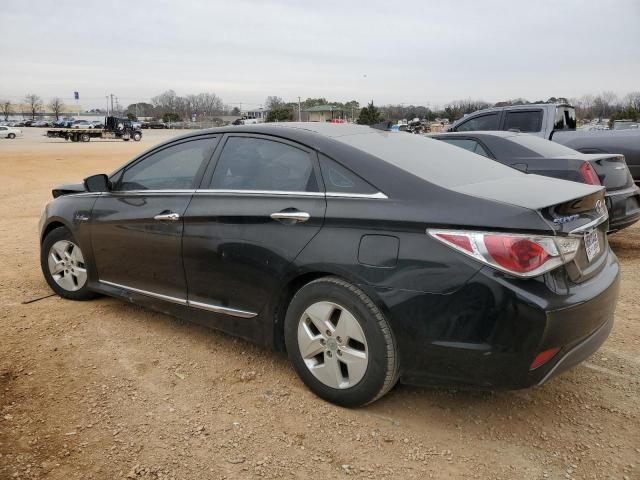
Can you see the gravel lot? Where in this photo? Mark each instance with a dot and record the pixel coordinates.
(105, 389)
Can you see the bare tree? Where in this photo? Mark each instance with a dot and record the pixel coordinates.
(35, 104)
(633, 100)
(6, 108)
(57, 106)
(272, 102)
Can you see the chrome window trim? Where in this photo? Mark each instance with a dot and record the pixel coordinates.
(152, 192)
(220, 191)
(266, 193)
(235, 312)
(377, 195)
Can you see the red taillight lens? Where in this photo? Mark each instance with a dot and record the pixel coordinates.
(589, 174)
(461, 241)
(518, 254)
(543, 357)
(515, 254)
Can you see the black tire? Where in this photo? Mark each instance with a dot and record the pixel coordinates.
(57, 235)
(75, 138)
(382, 369)
(85, 137)
(126, 139)
(12, 136)
(137, 136)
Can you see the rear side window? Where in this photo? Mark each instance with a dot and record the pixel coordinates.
(527, 121)
(173, 168)
(258, 164)
(565, 118)
(467, 144)
(483, 122)
(338, 179)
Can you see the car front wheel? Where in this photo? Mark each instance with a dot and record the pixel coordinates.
(63, 265)
(340, 343)
(12, 136)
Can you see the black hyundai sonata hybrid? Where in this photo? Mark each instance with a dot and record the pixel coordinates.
(368, 256)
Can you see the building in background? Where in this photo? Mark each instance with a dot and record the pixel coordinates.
(324, 113)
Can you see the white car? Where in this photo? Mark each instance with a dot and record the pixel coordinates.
(82, 124)
(10, 132)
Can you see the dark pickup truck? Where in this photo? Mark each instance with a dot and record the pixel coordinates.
(556, 122)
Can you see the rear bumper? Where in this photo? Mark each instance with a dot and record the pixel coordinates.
(495, 340)
(624, 208)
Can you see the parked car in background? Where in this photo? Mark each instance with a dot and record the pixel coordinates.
(82, 124)
(18, 123)
(536, 155)
(154, 125)
(97, 123)
(9, 132)
(41, 123)
(625, 124)
(369, 257)
(556, 122)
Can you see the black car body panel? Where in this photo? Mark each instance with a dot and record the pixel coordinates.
(227, 263)
(535, 155)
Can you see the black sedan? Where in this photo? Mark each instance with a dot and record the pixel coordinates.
(533, 154)
(368, 256)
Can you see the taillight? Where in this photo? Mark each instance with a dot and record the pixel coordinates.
(589, 174)
(517, 254)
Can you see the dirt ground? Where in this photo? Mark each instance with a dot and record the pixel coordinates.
(108, 390)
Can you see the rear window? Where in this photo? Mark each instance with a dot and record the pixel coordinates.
(524, 121)
(565, 118)
(544, 148)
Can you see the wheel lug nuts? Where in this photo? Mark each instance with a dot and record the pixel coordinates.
(339, 339)
(328, 332)
(323, 342)
(339, 353)
(329, 354)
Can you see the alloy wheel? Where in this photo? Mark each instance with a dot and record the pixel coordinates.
(333, 345)
(66, 265)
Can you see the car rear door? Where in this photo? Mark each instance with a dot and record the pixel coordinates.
(259, 205)
(136, 229)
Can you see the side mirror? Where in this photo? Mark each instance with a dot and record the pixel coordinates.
(97, 183)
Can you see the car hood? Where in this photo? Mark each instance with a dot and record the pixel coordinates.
(528, 191)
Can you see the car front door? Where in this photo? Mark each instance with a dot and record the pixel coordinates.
(136, 229)
(246, 224)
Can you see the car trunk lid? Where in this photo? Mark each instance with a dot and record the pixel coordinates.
(612, 170)
(568, 208)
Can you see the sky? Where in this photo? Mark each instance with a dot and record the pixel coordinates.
(424, 52)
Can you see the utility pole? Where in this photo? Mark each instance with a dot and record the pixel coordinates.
(299, 110)
(107, 97)
(111, 95)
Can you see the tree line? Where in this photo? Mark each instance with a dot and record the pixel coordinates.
(207, 106)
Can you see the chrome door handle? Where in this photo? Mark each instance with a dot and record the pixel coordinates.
(295, 216)
(172, 217)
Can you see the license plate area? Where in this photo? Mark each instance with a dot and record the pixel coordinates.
(591, 244)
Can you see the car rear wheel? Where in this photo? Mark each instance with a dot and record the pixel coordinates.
(63, 265)
(137, 136)
(85, 137)
(12, 136)
(340, 343)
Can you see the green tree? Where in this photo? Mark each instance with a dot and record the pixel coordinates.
(369, 115)
(170, 117)
(280, 114)
(131, 116)
(235, 111)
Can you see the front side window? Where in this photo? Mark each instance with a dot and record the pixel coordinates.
(258, 164)
(527, 121)
(483, 122)
(173, 168)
